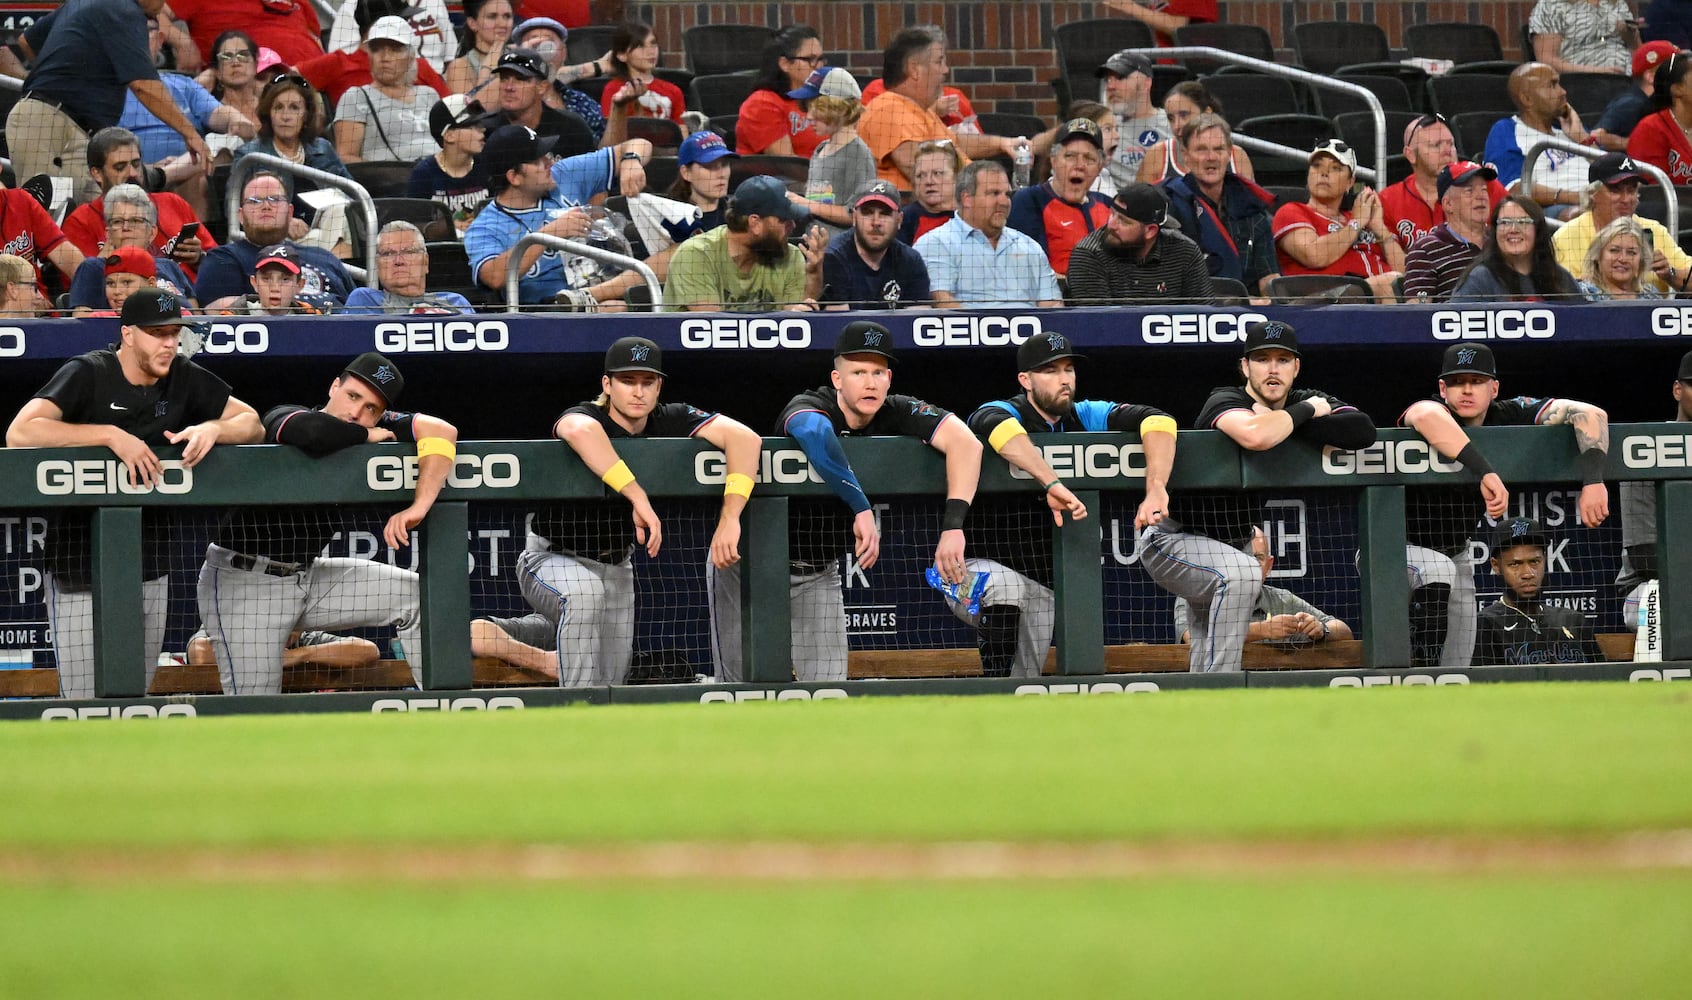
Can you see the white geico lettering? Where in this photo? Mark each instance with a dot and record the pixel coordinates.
(104, 476)
(761, 334)
(1385, 457)
(115, 712)
(1667, 321)
(770, 694)
(507, 703)
(1196, 328)
(1101, 687)
(442, 335)
(399, 472)
(1394, 680)
(1092, 461)
(237, 338)
(1494, 324)
(11, 342)
(1656, 451)
(973, 331)
(1665, 674)
(787, 465)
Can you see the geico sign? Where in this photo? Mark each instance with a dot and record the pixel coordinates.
(1494, 324)
(1656, 451)
(764, 334)
(973, 331)
(1092, 461)
(396, 472)
(785, 466)
(436, 336)
(102, 476)
(780, 694)
(1102, 687)
(1384, 457)
(446, 704)
(237, 338)
(11, 342)
(1197, 328)
(1668, 321)
(1665, 674)
(1394, 680)
(115, 712)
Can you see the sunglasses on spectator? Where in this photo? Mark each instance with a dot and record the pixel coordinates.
(1423, 122)
(240, 56)
(269, 199)
(293, 78)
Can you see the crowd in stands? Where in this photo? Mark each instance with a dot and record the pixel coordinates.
(498, 128)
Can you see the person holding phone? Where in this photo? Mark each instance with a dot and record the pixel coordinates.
(1542, 112)
(1617, 263)
(1614, 194)
(127, 261)
(114, 158)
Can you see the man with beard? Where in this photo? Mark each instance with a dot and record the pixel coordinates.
(129, 398)
(1127, 78)
(577, 567)
(1415, 205)
(265, 213)
(1519, 627)
(975, 262)
(1440, 519)
(1199, 551)
(868, 268)
(1639, 515)
(534, 193)
(856, 403)
(1061, 212)
(1439, 258)
(1011, 607)
(1134, 259)
(746, 264)
(1225, 214)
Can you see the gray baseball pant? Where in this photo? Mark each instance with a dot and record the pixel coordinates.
(591, 606)
(816, 610)
(71, 616)
(1430, 566)
(1039, 612)
(1221, 585)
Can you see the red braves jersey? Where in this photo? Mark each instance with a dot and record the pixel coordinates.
(1660, 141)
(1364, 258)
(86, 226)
(27, 229)
(1410, 218)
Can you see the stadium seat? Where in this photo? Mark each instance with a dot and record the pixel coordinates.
(1590, 93)
(661, 132)
(1358, 128)
(791, 169)
(724, 48)
(724, 125)
(661, 172)
(1240, 39)
(1000, 123)
(382, 178)
(1390, 90)
(449, 268)
(1251, 95)
(1165, 76)
(432, 217)
(1325, 46)
(720, 93)
(1475, 48)
(1229, 292)
(1317, 289)
(1471, 130)
(1301, 132)
(1083, 46)
(588, 43)
(1462, 93)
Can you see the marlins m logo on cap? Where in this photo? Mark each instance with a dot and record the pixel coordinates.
(1466, 356)
(639, 352)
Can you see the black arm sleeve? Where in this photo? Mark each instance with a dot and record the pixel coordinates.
(312, 431)
(1350, 429)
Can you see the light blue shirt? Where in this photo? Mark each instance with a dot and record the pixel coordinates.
(1014, 275)
(497, 229)
(158, 140)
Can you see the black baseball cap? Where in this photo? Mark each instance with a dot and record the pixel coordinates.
(1615, 168)
(379, 373)
(1685, 368)
(510, 146)
(1263, 336)
(368, 12)
(1519, 531)
(456, 111)
(634, 354)
(865, 337)
(1044, 348)
(1081, 128)
(524, 62)
(151, 307)
(1468, 359)
(764, 194)
(1143, 203)
(1125, 63)
(282, 255)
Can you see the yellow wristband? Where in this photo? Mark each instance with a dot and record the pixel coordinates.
(618, 476)
(436, 446)
(1005, 432)
(739, 484)
(1157, 425)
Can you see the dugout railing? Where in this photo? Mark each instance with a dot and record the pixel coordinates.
(1097, 466)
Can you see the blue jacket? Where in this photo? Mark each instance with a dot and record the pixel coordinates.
(1242, 247)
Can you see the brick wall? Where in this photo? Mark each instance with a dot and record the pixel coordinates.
(1001, 53)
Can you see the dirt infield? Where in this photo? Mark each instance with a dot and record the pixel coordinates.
(778, 862)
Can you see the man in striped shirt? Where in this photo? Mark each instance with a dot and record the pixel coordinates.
(1436, 261)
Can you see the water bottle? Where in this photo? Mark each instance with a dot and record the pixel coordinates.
(1024, 160)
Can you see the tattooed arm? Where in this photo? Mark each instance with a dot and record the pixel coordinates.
(1591, 427)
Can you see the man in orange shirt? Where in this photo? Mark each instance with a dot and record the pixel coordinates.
(894, 124)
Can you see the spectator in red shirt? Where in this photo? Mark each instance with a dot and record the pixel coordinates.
(1164, 16)
(288, 26)
(1321, 237)
(1062, 212)
(1660, 138)
(114, 157)
(27, 231)
(1412, 205)
(634, 55)
(937, 165)
(338, 72)
(771, 122)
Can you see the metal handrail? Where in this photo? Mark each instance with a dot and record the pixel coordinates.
(1301, 75)
(250, 164)
(1531, 159)
(514, 274)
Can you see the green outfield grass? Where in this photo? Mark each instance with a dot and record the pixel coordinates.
(1554, 762)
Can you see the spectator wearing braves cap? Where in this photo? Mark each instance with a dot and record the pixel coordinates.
(867, 267)
(1319, 236)
(1137, 256)
(1627, 109)
(1435, 263)
(747, 265)
(1142, 125)
(702, 180)
(521, 81)
(278, 282)
(1613, 193)
(455, 176)
(1412, 205)
(1061, 212)
(532, 193)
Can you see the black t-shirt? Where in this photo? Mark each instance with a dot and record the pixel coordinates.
(1443, 517)
(575, 136)
(821, 529)
(298, 534)
(1014, 530)
(92, 389)
(601, 529)
(1509, 636)
(902, 278)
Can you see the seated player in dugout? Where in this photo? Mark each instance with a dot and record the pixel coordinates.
(1520, 627)
(265, 575)
(1280, 617)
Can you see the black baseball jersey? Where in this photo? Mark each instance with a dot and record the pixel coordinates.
(1012, 530)
(1229, 517)
(92, 389)
(601, 529)
(1508, 636)
(299, 534)
(1443, 517)
(820, 530)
